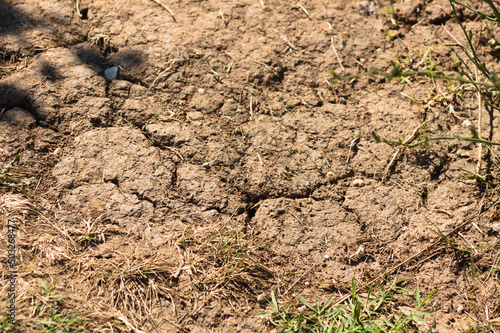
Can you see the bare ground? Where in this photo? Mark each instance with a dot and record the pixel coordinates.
(222, 163)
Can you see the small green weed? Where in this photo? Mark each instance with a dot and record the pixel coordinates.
(5, 171)
(51, 316)
(64, 322)
(4, 323)
(47, 302)
(487, 84)
(375, 312)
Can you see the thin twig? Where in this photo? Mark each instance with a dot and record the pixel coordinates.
(128, 324)
(285, 39)
(412, 137)
(166, 8)
(161, 74)
(391, 163)
(304, 10)
(338, 58)
(251, 107)
(479, 109)
(175, 151)
(78, 8)
(260, 159)
(471, 246)
(353, 142)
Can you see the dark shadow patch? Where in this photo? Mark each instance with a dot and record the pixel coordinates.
(60, 26)
(434, 163)
(11, 97)
(91, 55)
(49, 72)
(11, 21)
(132, 62)
(84, 13)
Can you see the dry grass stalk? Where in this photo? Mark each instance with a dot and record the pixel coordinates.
(12, 205)
(166, 8)
(221, 257)
(216, 262)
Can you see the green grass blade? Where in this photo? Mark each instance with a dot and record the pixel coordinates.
(303, 301)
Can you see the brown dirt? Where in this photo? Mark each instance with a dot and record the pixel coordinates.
(220, 163)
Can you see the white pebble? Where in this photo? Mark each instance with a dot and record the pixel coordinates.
(57, 152)
(330, 176)
(358, 183)
(467, 124)
(201, 91)
(264, 298)
(111, 73)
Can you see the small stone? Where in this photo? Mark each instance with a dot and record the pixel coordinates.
(206, 165)
(57, 152)
(358, 183)
(201, 91)
(467, 124)
(210, 213)
(264, 298)
(302, 308)
(330, 176)
(111, 73)
(465, 144)
(460, 308)
(194, 116)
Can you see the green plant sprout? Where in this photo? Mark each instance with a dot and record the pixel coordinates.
(363, 313)
(397, 72)
(474, 138)
(5, 171)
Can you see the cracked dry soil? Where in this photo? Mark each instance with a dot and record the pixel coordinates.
(223, 125)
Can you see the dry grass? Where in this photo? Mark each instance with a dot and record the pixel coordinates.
(221, 257)
(14, 205)
(91, 276)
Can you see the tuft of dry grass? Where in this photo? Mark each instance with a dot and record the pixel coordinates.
(14, 205)
(220, 257)
(91, 276)
(134, 285)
